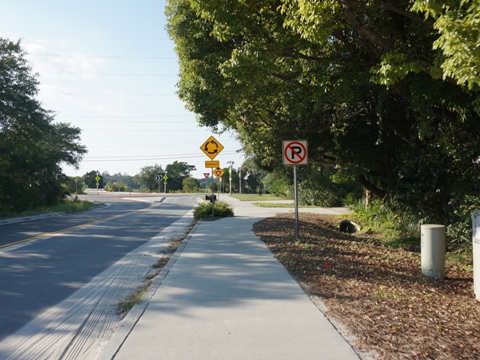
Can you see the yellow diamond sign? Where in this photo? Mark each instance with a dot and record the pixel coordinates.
(211, 147)
(218, 173)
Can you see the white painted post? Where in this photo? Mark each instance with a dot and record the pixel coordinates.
(433, 250)
(476, 253)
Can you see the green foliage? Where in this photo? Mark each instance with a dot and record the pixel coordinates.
(90, 179)
(204, 210)
(392, 220)
(67, 205)
(74, 185)
(458, 26)
(319, 188)
(360, 81)
(279, 184)
(116, 187)
(32, 147)
(177, 172)
(126, 181)
(190, 185)
(257, 197)
(150, 177)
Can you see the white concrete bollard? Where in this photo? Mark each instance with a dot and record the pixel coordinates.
(433, 250)
(476, 253)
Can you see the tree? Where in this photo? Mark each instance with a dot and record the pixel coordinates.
(177, 172)
(32, 147)
(459, 38)
(149, 177)
(190, 185)
(90, 179)
(361, 81)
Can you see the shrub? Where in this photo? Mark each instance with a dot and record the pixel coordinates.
(204, 210)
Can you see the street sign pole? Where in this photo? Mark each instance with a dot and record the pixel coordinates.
(212, 147)
(295, 153)
(296, 199)
(213, 198)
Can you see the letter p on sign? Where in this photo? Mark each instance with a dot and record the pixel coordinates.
(295, 152)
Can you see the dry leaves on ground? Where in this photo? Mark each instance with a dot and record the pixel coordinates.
(379, 293)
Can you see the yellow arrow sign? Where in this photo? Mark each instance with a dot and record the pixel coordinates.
(211, 147)
(212, 164)
(218, 173)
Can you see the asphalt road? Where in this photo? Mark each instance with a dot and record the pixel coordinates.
(54, 257)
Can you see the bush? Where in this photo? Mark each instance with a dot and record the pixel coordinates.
(392, 220)
(204, 210)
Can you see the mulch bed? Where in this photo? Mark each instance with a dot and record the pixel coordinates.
(378, 293)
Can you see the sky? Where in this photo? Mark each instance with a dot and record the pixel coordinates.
(109, 68)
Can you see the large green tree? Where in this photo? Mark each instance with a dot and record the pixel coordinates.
(363, 82)
(150, 177)
(32, 147)
(177, 172)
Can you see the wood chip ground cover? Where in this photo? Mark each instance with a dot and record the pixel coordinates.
(379, 293)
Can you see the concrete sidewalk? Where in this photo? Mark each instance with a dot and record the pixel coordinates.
(225, 296)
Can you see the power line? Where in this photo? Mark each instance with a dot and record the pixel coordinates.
(106, 56)
(112, 74)
(104, 94)
(137, 121)
(150, 158)
(143, 130)
(86, 35)
(121, 116)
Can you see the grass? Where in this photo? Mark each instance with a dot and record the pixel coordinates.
(68, 206)
(282, 205)
(273, 205)
(256, 197)
(129, 302)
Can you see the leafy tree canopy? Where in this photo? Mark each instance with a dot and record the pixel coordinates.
(368, 84)
(150, 176)
(32, 147)
(177, 172)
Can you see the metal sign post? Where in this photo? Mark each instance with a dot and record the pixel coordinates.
(213, 198)
(295, 191)
(212, 147)
(295, 153)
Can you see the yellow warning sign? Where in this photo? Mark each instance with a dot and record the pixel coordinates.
(212, 164)
(218, 173)
(211, 147)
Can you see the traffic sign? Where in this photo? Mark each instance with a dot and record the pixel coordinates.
(218, 173)
(206, 175)
(295, 152)
(97, 177)
(165, 178)
(211, 147)
(212, 164)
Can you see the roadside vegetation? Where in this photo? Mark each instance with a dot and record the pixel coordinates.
(204, 210)
(385, 92)
(257, 197)
(378, 292)
(70, 205)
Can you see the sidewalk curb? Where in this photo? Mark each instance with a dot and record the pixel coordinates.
(134, 315)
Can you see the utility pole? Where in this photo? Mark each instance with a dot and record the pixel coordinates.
(239, 180)
(230, 179)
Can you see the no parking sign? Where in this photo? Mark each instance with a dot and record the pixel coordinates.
(295, 152)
